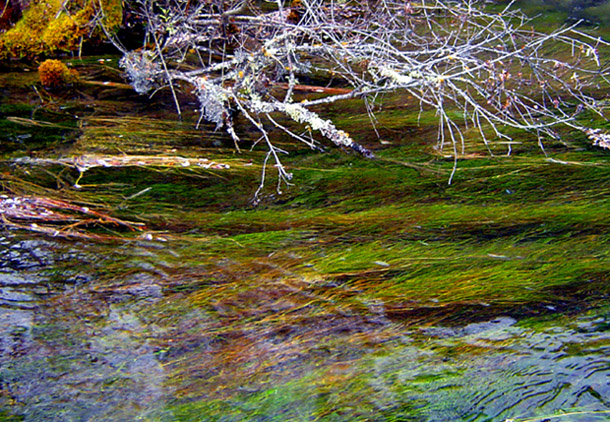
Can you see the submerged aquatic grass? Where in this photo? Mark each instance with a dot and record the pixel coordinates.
(369, 290)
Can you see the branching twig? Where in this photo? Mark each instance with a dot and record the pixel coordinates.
(490, 69)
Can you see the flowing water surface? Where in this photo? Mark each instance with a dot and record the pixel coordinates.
(153, 289)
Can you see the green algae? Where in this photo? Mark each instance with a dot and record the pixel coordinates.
(498, 216)
(31, 131)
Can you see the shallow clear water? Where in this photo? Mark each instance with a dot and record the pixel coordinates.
(76, 345)
(369, 291)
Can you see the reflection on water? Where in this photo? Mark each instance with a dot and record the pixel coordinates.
(78, 344)
(64, 358)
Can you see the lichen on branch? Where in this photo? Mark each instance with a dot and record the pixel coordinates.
(453, 57)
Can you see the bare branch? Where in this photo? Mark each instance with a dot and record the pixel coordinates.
(456, 58)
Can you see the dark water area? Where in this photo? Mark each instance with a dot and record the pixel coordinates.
(139, 282)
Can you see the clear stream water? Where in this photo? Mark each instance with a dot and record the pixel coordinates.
(371, 291)
(73, 349)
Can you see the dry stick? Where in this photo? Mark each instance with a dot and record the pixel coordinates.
(108, 84)
(113, 40)
(311, 144)
(283, 176)
(167, 75)
(313, 88)
(5, 8)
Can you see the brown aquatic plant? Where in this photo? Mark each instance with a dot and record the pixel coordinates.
(56, 217)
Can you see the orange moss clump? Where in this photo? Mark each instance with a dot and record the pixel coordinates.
(54, 74)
